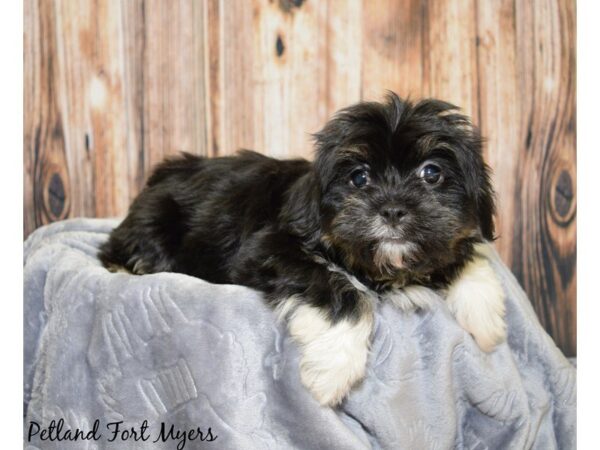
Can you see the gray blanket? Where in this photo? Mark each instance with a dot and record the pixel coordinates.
(166, 354)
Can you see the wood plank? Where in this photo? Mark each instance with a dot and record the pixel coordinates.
(344, 54)
(498, 82)
(134, 51)
(305, 72)
(31, 106)
(212, 74)
(48, 184)
(174, 108)
(395, 36)
(236, 115)
(90, 56)
(449, 53)
(544, 236)
(271, 76)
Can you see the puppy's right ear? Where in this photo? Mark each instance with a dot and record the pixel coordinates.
(348, 126)
(301, 210)
(326, 142)
(358, 125)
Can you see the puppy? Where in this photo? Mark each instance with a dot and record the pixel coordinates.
(398, 198)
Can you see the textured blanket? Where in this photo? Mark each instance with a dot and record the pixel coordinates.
(170, 361)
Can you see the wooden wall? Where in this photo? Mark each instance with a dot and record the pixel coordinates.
(112, 86)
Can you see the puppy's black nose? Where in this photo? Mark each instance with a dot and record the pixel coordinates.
(393, 213)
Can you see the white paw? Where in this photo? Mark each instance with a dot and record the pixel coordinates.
(476, 299)
(334, 357)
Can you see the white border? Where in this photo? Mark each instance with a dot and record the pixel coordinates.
(588, 222)
(11, 176)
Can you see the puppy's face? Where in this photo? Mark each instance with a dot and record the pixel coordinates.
(403, 187)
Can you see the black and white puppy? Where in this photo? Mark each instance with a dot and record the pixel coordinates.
(397, 199)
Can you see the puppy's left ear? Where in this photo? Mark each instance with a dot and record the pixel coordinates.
(481, 186)
(476, 171)
(485, 203)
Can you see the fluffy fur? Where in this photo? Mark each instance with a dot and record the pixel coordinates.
(334, 355)
(397, 197)
(477, 300)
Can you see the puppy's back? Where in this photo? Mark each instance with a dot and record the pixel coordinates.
(185, 164)
(194, 211)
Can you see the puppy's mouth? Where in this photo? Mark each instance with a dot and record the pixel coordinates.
(394, 236)
(393, 253)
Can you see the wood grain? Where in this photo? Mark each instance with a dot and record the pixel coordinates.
(48, 183)
(395, 37)
(114, 86)
(449, 54)
(544, 237)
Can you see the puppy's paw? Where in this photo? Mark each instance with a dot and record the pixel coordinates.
(476, 299)
(115, 268)
(334, 356)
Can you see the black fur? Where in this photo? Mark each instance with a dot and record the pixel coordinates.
(279, 226)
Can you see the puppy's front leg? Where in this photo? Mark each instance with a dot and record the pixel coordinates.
(329, 313)
(334, 337)
(334, 353)
(476, 299)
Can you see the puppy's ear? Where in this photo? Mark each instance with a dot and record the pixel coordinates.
(327, 141)
(300, 212)
(486, 207)
(480, 185)
(476, 172)
(350, 129)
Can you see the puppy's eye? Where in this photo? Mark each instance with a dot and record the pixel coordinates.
(359, 178)
(431, 173)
